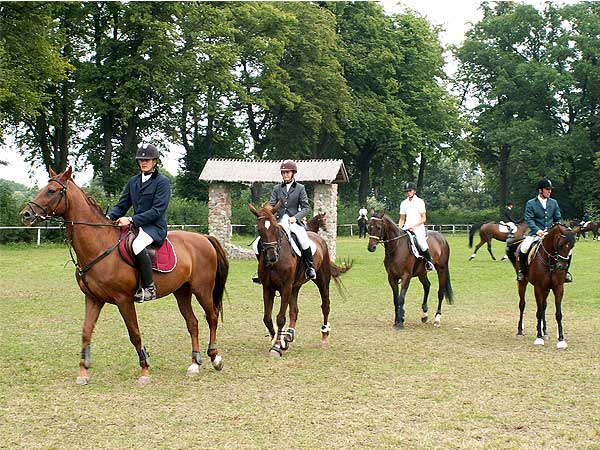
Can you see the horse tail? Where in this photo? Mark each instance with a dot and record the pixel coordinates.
(337, 271)
(472, 231)
(221, 275)
(448, 286)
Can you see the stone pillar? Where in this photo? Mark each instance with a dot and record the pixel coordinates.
(325, 200)
(219, 211)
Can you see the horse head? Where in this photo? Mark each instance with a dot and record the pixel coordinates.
(558, 244)
(268, 230)
(376, 230)
(50, 201)
(321, 221)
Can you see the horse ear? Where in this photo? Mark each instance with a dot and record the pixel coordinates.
(68, 173)
(371, 212)
(252, 209)
(51, 172)
(276, 207)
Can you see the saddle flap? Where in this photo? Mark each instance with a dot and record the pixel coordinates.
(413, 244)
(164, 258)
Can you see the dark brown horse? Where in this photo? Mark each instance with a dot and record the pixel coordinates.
(281, 271)
(103, 277)
(547, 271)
(401, 265)
(362, 227)
(489, 231)
(589, 226)
(318, 221)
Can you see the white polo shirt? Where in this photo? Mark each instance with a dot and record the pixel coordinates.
(413, 210)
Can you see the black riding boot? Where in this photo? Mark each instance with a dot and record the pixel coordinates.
(255, 278)
(148, 290)
(521, 265)
(310, 265)
(568, 277)
(428, 263)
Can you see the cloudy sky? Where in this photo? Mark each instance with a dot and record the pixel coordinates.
(454, 16)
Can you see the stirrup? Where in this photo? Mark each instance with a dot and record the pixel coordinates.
(429, 266)
(520, 276)
(255, 279)
(311, 274)
(568, 278)
(145, 294)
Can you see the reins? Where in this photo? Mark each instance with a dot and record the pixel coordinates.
(380, 239)
(556, 256)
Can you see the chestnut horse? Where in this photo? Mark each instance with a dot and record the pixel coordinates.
(318, 221)
(279, 270)
(401, 265)
(103, 277)
(489, 231)
(547, 271)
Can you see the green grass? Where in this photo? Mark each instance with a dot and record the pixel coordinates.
(468, 384)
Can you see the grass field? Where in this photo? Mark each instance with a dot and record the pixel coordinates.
(469, 384)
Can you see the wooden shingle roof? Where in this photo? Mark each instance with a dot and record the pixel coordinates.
(267, 171)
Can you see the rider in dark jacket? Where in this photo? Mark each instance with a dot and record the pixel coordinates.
(149, 193)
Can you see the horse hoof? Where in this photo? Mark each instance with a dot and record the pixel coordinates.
(424, 318)
(82, 381)
(538, 341)
(438, 321)
(545, 337)
(520, 336)
(218, 363)
(274, 353)
(324, 344)
(399, 326)
(144, 380)
(193, 370)
(472, 256)
(561, 345)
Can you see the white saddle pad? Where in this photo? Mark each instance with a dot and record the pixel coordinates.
(413, 245)
(503, 228)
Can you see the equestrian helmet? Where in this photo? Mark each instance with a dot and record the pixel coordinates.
(545, 183)
(410, 187)
(288, 164)
(147, 151)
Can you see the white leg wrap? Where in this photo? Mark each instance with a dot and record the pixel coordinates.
(326, 328)
(194, 369)
(561, 345)
(538, 341)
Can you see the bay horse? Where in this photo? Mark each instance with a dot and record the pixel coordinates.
(401, 265)
(362, 227)
(587, 227)
(279, 270)
(491, 230)
(103, 277)
(547, 271)
(317, 222)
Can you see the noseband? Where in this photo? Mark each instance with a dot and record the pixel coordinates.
(555, 261)
(275, 245)
(45, 216)
(380, 239)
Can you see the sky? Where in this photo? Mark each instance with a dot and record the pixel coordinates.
(454, 16)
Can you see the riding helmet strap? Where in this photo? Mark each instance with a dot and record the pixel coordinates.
(196, 358)
(144, 355)
(85, 355)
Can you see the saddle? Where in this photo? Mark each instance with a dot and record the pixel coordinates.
(164, 258)
(503, 228)
(257, 245)
(414, 248)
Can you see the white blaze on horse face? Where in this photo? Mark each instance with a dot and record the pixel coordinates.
(267, 224)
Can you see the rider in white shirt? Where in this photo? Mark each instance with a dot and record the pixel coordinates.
(413, 217)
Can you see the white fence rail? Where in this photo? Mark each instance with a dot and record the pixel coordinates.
(445, 228)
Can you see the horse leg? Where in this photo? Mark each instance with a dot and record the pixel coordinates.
(127, 310)
(398, 319)
(426, 286)
(489, 248)
(522, 288)
(92, 311)
(399, 324)
(558, 296)
(323, 285)
(280, 345)
(541, 294)
(184, 302)
(268, 299)
(477, 247)
(290, 333)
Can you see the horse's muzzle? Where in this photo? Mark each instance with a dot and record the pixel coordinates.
(28, 217)
(372, 248)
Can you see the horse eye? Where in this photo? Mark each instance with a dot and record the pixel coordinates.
(51, 191)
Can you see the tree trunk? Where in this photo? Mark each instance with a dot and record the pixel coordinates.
(363, 163)
(421, 177)
(504, 170)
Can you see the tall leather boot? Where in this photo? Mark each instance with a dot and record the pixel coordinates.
(148, 290)
(255, 278)
(310, 264)
(521, 265)
(568, 277)
(428, 262)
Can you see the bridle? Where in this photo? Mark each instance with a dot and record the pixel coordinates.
(555, 261)
(380, 239)
(274, 245)
(45, 216)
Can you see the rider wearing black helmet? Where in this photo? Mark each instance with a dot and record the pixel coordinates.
(541, 212)
(413, 217)
(149, 192)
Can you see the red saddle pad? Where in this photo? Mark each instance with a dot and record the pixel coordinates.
(164, 258)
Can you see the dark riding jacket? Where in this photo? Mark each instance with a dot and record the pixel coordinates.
(150, 201)
(293, 202)
(507, 215)
(539, 218)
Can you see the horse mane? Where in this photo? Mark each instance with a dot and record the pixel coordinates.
(90, 200)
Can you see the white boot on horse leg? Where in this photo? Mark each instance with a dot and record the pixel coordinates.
(539, 341)
(424, 316)
(561, 345)
(438, 320)
(193, 370)
(325, 329)
(472, 256)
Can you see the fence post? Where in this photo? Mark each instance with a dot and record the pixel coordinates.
(39, 236)
(351, 230)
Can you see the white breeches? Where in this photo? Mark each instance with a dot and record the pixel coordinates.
(526, 244)
(421, 236)
(142, 241)
(511, 226)
(298, 230)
